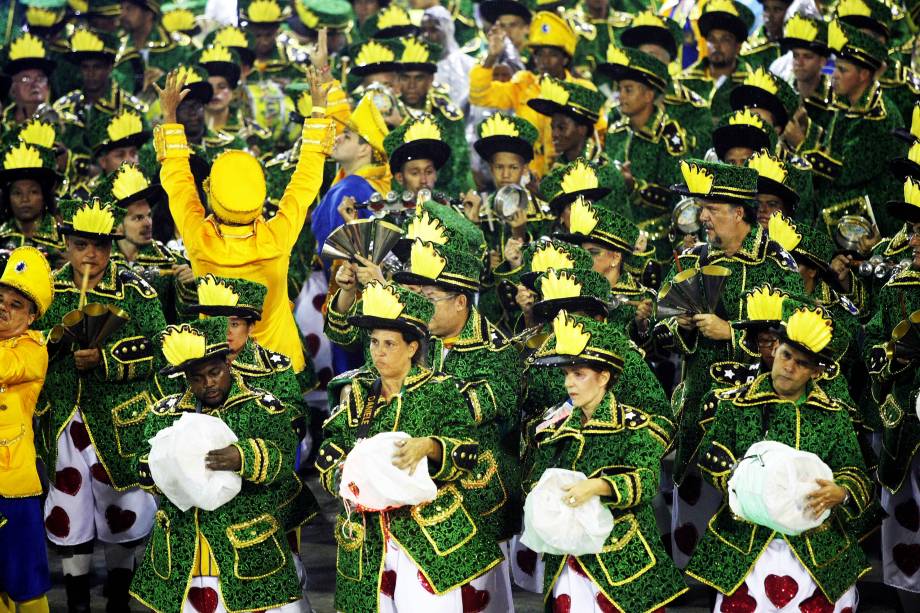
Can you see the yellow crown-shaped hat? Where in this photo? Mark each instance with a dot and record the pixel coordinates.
(94, 218)
(911, 192)
(182, 344)
(721, 6)
(801, 28)
(768, 166)
(762, 79)
(264, 11)
(367, 121)
(579, 177)
(393, 15)
(765, 304)
(186, 75)
(27, 271)
(216, 53)
(373, 52)
(84, 40)
(381, 301)
(913, 154)
(783, 231)
(426, 228)
(915, 122)
(582, 217)
(558, 285)
(424, 128)
(498, 125)
(425, 261)
(853, 8)
(236, 187)
(22, 155)
(38, 133)
(414, 52)
(836, 37)
(214, 292)
(746, 117)
(123, 125)
(647, 18)
(571, 338)
(548, 257)
(43, 18)
(128, 181)
(810, 328)
(179, 20)
(231, 37)
(698, 180)
(552, 90)
(27, 46)
(616, 55)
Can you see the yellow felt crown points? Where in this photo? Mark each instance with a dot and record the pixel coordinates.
(559, 285)
(80, 6)
(308, 17)
(84, 40)
(615, 55)
(765, 304)
(183, 343)
(42, 18)
(836, 38)
(187, 75)
(124, 125)
(552, 90)
(582, 217)
(94, 218)
(128, 182)
(425, 261)
(810, 328)
(422, 129)
(264, 11)
(179, 20)
(647, 18)
(305, 104)
(26, 46)
(231, 37)
(850, 8)
(374, 53)
(720, 6)
(391, 16)
(746, 117)
(579, 177)
(426, 228)
(800, 28)
(571, 338)
(915, 122)
(549, 257)
(212, 292)
(39, 133)
(216, 53)
(22, 156)
(768, 166)
(498, 125)
(913, 154)
(414, 51)
(381, 301)
(762, 79)
(911, 192)
(783, 231)
(698, 180)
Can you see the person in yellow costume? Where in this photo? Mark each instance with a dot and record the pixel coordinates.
(552, 46)
(234, 240)
(25, 294)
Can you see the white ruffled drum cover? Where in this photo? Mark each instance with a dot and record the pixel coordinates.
(370, 482)
(552, 526)
(177, 464)
(770, 485)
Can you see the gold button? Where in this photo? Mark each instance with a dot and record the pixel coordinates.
(328, 458)
(2, 407)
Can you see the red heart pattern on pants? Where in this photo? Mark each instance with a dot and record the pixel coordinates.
(685, 537)
(740, 601)
(119, 519)
(99, 473)
(474, 600)
(816, 603)
(780, 589)
(58, 522)
(572, 561)
(424, 582)
(526, 560)
(562, 604)
(388, 583)
(79, 435)
(907, 558)
(690, 489)
(605, 605)
(68, 481)
(908, 515)
(204, 599)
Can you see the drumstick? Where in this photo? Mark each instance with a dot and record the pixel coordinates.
(83, 286)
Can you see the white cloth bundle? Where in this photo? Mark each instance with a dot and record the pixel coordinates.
(552, 526)
(177, 464)
(370, 482)
(770, 486)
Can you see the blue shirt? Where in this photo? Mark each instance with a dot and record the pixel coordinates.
(326, 216)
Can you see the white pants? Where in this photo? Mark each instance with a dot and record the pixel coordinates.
(82, 505)
(901, 532)
(779, 582)
(404, 589)
(574, 592)
(204, 596)
(496, 584)
(694, 504)
(526, 566)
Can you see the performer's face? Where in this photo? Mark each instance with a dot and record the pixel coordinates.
(26, 200)
(605, 260)
(238, 330)
(210, 381)
(723, 48)
(656, 51)
(507, 168)
(95, 73)
(138, 223)
(16, 312)
(767, 204)
(792, 370)
(365, 8)
(585, 386)
(773, 13)
(112, 159)
(635, 97)
(450, 311)
(849, 78)
(720, 221)
(567, 134)
(766, 344)
(414, 86)
(83, 252)
(737, 156)
(551, 61)
(417, 174)
(222, 93)
(391, 354)
(30, 87)
(807, 65)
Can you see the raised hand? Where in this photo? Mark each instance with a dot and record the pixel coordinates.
(171, 95)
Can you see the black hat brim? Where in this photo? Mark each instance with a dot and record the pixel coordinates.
(152, 194)
(682, 190)
(396, 32)
(369, 322)
(904, 135)
(546, 310)
(718, 20)
(580, 239)
(491, 10)
(783, 192)
(201, 91)
(227, 70)
(550, 108)
(378, 67)
(749, 96)
(864, 22)
(904, 167)
(14, 67)
(411, 278)
(76, 57)
(619, 72)
(739, 135)
(211, 310)
(821, 359)
(247, 55)
(903, 211)
(787, 44)
(756, 325)
(66, 230)
(170, 371)
(594, 194)
(46, 177)
(423, 149)
(637, 36)
(490, 145)
(428, 67)
(135, 140)
(558, 360)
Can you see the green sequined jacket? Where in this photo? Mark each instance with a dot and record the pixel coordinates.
(156, 263)
(45, 238)
(698, 79)
(160, 53)
(246, 535)
(623, 446)
(730, 546)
